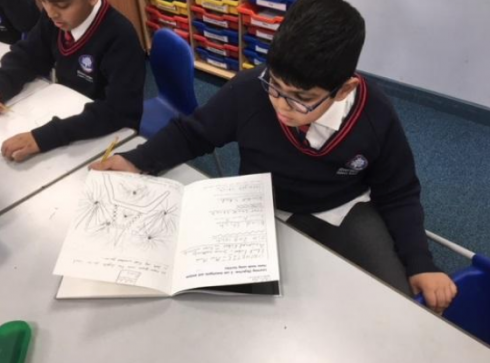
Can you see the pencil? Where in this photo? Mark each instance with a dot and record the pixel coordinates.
(4, 108)
(109, 149)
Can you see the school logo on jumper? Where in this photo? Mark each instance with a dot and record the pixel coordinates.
(87, 63)
(359, 162)
(354, 166)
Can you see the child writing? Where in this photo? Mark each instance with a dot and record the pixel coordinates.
(341, 166)
(17, 17)
(95, 51)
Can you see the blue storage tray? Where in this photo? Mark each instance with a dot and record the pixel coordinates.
(255, 44)
(217, 61)
(281, 5)
(254, 57)
(222, 35)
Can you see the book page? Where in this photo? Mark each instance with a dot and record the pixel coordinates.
(124, 231)
(28, 112)
(73, 288)
(227, 233)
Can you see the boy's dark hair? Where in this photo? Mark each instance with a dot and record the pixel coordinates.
(317, 45)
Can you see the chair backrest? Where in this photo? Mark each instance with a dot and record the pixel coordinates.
(172, 64)
(470, 309)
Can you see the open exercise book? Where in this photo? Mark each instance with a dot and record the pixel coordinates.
(140, 236)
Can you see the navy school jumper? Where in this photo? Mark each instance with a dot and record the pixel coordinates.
(17, 17)
(370, 150)
(106, 64)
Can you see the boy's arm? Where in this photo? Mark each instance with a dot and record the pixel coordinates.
(28, 59)
(395, 190)
(185, 138)
(175, 144)
(124, 68)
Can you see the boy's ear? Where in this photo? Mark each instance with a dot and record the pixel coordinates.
(347, 88)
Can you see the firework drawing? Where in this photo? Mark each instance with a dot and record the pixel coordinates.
(127, 210)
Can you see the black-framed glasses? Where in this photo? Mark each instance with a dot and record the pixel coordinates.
(293, 103)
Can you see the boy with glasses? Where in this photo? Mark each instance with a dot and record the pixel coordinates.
(343, 172)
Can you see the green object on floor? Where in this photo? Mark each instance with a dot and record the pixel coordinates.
(14, 341)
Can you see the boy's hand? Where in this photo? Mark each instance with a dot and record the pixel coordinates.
(115, 162)
(438, 289)
(20, 147)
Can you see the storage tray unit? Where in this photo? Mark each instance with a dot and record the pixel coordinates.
(224, 20)
(224, 6)
(216, 60)
(225, 34)
(253, 57)
(224, 50)
(261, 34)
(256, 45)
(281, 5)
(222, 35)
(174, 7)
(153, 27)
(261, 18)
(170, 21)
(183, 34)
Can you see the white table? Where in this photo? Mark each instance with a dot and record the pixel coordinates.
(4, 48)
(330, 311)
(35, 106)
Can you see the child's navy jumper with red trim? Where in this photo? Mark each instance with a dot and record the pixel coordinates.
(369, 151)
(107, 64)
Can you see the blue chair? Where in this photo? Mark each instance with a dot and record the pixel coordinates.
(172, 63)
(470, 309)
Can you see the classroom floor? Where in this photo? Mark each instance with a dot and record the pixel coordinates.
(453, 163)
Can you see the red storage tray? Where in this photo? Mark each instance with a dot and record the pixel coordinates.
(173, 21)
(155, 26)
(225, 50)
(261, 33)
(262, 18)
(223, 20)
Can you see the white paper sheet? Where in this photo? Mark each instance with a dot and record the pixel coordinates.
(124, 231)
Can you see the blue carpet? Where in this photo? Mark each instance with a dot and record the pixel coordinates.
(452, 161)
(451, 153)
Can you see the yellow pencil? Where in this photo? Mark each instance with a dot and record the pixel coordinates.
(109, 149)
(4, 108)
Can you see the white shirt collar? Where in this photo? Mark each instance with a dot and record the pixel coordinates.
(78, 32)
(333, 117)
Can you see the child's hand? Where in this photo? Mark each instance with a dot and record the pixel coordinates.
(115, 162)
(20, 147)
(438, 289)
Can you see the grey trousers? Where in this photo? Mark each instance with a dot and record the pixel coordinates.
(363, 239)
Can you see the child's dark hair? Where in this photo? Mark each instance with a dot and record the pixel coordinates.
(318, 44)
